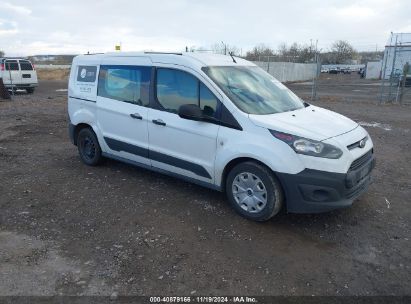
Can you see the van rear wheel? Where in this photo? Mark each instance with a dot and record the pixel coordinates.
(30, 90)
(88, 147)
(254, 191)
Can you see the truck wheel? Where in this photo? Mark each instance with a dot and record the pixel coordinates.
(30, 90)
(88, 147)
(254, 191)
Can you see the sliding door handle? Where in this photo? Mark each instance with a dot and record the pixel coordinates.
(136, 116)
(159, 122)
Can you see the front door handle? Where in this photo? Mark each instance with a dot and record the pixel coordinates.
(159, 122)
(136, 116)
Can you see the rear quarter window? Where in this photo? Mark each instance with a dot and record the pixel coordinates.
(26, 66)
(125, 83)
(11, 65)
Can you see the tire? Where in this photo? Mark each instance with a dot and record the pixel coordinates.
(88, 147)
(254, 192)
(30, 90)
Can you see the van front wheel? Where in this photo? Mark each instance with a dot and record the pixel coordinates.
(88, 147)
(254, 191)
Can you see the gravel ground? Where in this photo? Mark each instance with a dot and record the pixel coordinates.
(66, 228)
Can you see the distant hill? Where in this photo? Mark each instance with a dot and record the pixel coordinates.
(52, 59)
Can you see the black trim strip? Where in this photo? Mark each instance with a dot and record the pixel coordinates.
(82, 99)
(117, 145)
(180, 163)
(183, 177)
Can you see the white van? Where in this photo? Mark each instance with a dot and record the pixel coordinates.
(18, 73)
(221, 122)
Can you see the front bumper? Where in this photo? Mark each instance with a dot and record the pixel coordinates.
(314, 191)
(21, 85)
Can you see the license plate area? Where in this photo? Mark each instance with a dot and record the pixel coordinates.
(26, 76)
(356, 177)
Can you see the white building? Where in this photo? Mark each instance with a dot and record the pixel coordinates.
(397, 53)
(373, 69)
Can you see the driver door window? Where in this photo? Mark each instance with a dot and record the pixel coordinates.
(175, 88)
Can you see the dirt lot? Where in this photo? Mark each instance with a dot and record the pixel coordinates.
(70, 229)
(53, 74)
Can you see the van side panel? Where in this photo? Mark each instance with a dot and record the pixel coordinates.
(251, 143)
(82, 91)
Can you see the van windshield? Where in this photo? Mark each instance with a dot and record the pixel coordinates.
(253, 90)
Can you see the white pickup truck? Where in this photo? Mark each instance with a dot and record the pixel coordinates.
(18, 73)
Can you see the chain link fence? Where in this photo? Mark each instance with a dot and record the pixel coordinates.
(396, 72)
(292, 68)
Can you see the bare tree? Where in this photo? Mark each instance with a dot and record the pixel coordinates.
(295, 53)
(260, 52)
(342, 51)
(224, 48)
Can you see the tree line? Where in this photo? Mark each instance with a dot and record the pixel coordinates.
(341, 52)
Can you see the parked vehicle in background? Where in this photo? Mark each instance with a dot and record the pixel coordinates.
(396, 74)
(346, 71)
(325, 70)
(362, 72)
(18, 73)
(334, 70)
(221, 122)
(407, 80)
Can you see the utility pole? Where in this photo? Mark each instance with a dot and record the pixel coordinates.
(386, 52)
(393, 66)
(315, 78)
(225, 47)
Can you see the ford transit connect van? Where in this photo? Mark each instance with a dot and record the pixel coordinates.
(18, 73)
(221, 122)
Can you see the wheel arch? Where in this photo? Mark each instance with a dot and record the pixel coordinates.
(234, 162)
(78, 128)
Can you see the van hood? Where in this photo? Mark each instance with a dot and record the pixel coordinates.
(310, 122)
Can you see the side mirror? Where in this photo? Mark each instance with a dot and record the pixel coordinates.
(191, 112)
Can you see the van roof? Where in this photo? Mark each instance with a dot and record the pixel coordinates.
(13, 58)
(186, 58)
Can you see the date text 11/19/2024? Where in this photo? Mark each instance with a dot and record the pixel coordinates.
(204, 299)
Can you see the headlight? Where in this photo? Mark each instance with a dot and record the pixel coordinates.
(308, 146)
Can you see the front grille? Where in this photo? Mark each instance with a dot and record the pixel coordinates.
(356, 144)
(359, 162)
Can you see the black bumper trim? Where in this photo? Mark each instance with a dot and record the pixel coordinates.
(314, 191)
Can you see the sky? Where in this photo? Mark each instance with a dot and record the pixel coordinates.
(30, 27)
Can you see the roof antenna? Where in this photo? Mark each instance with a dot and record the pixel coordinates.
(232, 56)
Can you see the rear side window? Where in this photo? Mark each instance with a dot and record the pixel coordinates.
(175, 88)
(11, 65)
(125, 83)
(26, 66)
